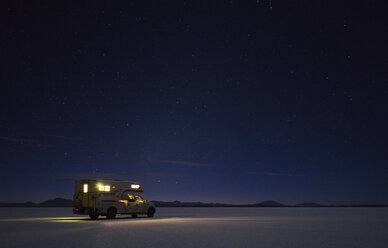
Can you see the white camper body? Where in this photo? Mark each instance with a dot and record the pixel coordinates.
(110, 197)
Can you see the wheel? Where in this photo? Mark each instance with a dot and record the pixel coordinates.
(134, 215)
(151, 212)
(93, 215)
(111, 213)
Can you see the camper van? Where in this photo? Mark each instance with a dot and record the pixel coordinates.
(109, 198)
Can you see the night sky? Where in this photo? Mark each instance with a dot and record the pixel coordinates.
(214, 101)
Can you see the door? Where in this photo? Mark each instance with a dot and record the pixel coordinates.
(85, 199)
(131, 203)
(141, 204)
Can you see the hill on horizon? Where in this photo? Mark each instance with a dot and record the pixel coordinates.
(61, 202)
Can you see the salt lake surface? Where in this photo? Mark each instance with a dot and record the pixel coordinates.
(198, 227)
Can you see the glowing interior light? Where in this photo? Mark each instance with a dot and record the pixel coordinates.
(105, 188)
(135, 186)
(85, 188)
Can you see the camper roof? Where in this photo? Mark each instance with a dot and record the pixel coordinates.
(114, 184)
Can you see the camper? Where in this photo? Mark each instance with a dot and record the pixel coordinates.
(109, 198)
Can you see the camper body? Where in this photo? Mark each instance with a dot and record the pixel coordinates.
(110, 197)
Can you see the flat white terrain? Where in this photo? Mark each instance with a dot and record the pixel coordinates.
(198, 227)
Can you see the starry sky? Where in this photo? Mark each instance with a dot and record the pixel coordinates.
(214, 101)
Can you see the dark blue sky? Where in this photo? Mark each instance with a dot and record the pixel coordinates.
(223, 101)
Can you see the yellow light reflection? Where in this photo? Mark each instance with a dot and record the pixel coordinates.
(48, 219)
(125, 202)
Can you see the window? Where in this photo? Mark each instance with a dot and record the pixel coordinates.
(135, 186)
(85, 188)
(105, 188)
(131, 198)
(139, 199)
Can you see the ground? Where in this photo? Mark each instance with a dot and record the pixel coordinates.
(198, 227)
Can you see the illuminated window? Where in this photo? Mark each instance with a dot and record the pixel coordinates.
(85, 188)
(139, 199)
(105, 188)
(135, 186)
(131, 198)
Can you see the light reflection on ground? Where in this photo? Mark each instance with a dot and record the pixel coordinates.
(197, 227)
(128, 220)
(47, 219)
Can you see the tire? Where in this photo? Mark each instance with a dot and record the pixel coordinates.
(134, 215)
(111, 213)
(93, 215)
(151, 212)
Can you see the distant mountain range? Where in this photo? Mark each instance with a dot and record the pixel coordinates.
(202, 204)
(60, 202)
(57, 202)
(260, 204)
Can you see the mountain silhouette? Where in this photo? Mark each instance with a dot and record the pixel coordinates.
(60, 202)
(57, 202)
(309, 204)
(269, 204)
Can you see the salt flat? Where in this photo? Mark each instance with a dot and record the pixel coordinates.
(198, 227)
